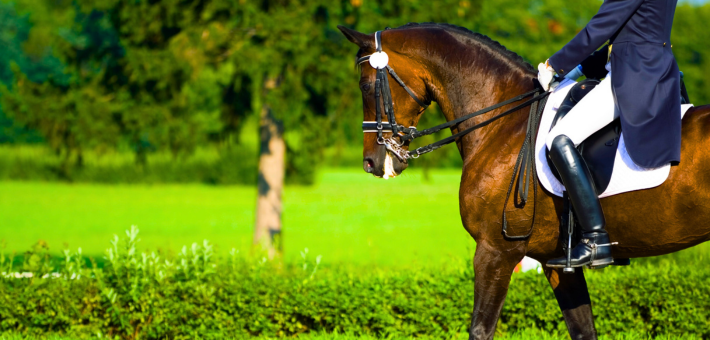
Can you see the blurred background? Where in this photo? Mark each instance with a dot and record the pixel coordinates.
(158, 114)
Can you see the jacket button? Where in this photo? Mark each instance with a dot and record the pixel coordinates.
(664, 44)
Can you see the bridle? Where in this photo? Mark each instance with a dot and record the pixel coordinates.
(525, 163)
(383, 93)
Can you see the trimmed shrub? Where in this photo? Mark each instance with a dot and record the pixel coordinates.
(237, 165)
(195, 295)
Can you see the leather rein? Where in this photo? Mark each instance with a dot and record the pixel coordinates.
(525, 163)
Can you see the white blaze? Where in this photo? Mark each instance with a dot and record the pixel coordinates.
(389, 167)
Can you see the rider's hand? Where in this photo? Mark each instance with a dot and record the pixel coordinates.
(546, 75)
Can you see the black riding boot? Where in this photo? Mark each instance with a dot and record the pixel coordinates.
(594, 249)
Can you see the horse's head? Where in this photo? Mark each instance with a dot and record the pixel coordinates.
(382, 149)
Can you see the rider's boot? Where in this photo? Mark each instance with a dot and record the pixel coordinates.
(594, 249)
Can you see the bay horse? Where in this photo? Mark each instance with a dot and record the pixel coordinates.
(464, 72)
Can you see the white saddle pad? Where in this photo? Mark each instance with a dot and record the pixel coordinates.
(626, 176)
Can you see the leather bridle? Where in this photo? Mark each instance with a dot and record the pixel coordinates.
(525, 164)
(383, 94)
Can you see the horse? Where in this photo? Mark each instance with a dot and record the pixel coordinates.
(462, 72)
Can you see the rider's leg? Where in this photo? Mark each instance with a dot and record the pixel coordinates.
(596, 110)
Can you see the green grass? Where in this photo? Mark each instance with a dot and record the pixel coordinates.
(347, 217)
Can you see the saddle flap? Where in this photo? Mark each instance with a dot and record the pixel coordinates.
(599, 151)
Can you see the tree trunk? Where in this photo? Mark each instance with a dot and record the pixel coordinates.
(267, 233)
(141, 156)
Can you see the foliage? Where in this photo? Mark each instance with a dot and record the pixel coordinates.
(692, 55)
(529, 334)
(173, 76)
(14, 29)
(142, 295)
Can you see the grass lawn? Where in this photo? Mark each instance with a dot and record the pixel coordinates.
(348, 216)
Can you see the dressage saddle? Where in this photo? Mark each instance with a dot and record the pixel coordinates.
(599, 150)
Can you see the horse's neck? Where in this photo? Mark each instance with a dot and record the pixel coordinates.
(464, 92)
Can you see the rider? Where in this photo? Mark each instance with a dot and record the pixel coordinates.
(642, 88)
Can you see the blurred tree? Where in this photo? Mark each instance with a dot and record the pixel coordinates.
(174, 75)
(14, 31)
(69, 108)
(690, 47)
(71, 119)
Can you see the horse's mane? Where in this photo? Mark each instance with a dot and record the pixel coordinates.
(481, 38)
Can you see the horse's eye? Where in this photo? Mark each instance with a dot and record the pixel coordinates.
(365, 87)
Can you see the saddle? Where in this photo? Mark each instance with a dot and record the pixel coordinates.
(599, 150)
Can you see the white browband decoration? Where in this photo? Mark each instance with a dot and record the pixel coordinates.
(379, 60)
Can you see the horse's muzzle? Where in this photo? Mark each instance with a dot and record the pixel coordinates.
(377, 166)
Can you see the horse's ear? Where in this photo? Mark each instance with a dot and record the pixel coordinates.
(355, 37)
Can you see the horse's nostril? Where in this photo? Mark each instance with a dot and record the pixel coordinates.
(368, 165)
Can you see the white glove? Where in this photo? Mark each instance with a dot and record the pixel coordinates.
(546, 75)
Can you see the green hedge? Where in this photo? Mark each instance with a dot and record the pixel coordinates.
(195, 295)
(208, 165)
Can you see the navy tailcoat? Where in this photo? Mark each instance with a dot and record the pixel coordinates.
(646, 80)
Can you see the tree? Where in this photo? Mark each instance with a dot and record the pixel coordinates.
(267, 231)
(14, 31)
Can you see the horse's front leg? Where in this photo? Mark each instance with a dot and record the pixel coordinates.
(573, 297)
(493, 268)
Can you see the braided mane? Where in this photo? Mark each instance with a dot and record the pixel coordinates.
(481, 38)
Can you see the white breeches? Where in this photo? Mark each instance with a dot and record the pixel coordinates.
(595, 111)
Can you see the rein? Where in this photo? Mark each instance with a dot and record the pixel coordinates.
(525, 163)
